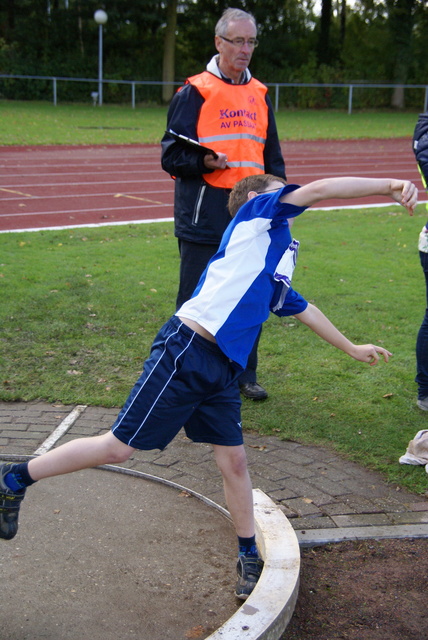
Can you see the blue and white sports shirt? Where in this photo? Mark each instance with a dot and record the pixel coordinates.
(243, 281)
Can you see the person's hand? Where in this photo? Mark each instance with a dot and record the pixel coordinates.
(215, 163)
(369, 353)
(406, 193)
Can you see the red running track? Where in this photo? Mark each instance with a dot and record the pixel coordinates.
(56, 187)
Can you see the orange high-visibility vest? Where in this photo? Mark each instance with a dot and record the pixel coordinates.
(234, 120)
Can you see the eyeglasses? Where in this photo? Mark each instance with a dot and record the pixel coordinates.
(267, 190)
(239, 42)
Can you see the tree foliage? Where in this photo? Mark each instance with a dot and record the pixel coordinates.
(368, 40)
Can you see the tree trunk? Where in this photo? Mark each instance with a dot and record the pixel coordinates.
(400, 18)
(10, 22)
(342, 22)
(168, 70)
(80, 28)
(324, 39)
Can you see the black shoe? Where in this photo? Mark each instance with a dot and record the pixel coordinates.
(253, 390)
(249, 570)
(10, 501)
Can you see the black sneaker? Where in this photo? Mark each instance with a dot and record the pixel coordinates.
(249, 570)
(253, 390)
(10, 501)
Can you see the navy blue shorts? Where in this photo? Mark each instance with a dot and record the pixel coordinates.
(187, 381)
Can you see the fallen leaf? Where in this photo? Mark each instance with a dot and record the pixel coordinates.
(260, 447)
(388, 395)
(195, 632)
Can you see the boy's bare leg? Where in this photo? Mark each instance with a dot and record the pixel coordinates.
(72, 456)
(82, 453)
(232, 462)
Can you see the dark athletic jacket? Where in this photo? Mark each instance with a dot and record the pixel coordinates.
(200, 210)
(420, 144)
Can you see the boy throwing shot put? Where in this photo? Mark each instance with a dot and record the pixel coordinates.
(191, 376)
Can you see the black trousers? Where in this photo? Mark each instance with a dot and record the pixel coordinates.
(194, 258)
(422, 340)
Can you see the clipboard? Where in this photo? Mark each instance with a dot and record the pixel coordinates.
(193, 144)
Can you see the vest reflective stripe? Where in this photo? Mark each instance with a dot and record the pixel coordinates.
(233, 120)
(231, 136)
(246, 163)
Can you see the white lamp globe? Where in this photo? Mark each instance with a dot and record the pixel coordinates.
(100, 16)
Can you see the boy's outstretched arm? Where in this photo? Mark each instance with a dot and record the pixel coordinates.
(402, 191)
(321, 325)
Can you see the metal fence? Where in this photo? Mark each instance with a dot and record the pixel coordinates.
(311, 94)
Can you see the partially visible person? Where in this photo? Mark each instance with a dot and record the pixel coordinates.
(228, 110)
(420, 148)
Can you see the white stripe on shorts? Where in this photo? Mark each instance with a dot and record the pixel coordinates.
(129, 443)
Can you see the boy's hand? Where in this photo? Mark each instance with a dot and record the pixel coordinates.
(406, 193)
(369, 353)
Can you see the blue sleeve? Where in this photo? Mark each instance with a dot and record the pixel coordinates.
(294, 303)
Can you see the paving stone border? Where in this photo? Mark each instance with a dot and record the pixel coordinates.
(316, 489)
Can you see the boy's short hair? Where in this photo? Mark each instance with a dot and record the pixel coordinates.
(239, 194)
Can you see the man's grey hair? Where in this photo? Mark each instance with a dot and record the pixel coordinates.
(232, 15)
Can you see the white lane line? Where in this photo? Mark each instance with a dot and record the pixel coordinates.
(89, 182)
(69, 165)
(90, 171)
(82, 211)
(365, 205)
(60, 430)
(93, 225)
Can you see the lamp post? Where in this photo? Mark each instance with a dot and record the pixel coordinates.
(100, 18)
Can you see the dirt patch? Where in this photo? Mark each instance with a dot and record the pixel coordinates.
(102, 556)
(369, 590)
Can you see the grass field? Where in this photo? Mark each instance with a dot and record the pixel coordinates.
(80, 308)
(28, 123)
